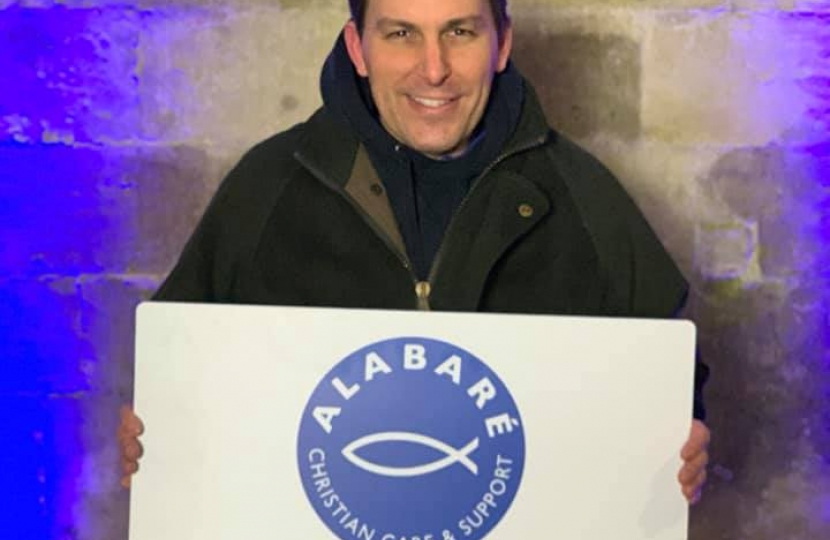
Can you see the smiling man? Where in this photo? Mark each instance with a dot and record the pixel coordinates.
(429, 179)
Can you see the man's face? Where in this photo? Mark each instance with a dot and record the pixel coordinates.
(430, 65)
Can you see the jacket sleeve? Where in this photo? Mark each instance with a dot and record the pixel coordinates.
(196, 277)
(228, 230)
(643, 279)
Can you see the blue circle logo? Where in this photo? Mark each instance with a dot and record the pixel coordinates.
(411, 439)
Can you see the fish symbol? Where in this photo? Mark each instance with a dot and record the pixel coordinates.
(452, 455)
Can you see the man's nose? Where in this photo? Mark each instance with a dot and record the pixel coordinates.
(435, 65)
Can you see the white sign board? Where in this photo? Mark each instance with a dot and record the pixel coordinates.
(282, 423)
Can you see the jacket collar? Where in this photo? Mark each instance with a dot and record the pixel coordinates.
(330, 145)
(328, 148)
(533, 129)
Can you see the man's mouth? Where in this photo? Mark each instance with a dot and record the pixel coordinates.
(431, 103)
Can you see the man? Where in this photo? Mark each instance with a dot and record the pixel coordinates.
(429, 179)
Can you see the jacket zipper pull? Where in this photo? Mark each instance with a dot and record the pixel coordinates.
(422, 291)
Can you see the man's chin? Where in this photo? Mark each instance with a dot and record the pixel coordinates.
(438, 149)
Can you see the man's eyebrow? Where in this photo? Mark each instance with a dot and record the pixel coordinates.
(470, 20)
(386, 22)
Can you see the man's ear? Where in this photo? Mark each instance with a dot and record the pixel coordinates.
(505, 46)
(355, 47)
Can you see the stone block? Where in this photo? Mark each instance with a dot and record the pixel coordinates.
(588, 83)
(54, 217)
(727, 79)
(728, 251)
(172, 187)
(44, 348)
(108, 322)
(241, 77)
(64, 336)
(586, 67)
(68, 74)
(777, 188)
(40, 463)
(60, 468)
(70, 211)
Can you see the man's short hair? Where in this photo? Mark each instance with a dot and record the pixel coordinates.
(498, 7)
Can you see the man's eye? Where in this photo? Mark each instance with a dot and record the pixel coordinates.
(398, 34)
(462, 32)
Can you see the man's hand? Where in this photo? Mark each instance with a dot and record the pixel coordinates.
(695, 456)
(129, 430)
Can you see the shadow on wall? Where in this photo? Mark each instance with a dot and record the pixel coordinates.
(587, 84)
(765, 332)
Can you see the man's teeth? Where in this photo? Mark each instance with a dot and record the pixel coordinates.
(432, 102)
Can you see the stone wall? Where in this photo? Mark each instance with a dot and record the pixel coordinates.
(118, 119)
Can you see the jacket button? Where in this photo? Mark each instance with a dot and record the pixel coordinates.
(377, 189)
(526, 211)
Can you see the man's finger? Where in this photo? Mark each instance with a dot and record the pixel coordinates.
(131, 425)
(125, 412)
(692, 468)
(136, 426)
(129, 467)
(695, 482)
(692, 490)
(699, 438)
(132, 450)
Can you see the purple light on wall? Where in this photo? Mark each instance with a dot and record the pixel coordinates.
(44, 356)
(67, 80)
(69, 75)
(816, 84)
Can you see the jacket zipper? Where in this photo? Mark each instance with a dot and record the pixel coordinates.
(518, 150)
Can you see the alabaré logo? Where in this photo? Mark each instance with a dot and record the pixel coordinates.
(411, 438)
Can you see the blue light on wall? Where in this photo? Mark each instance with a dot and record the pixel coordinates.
(67, 82)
